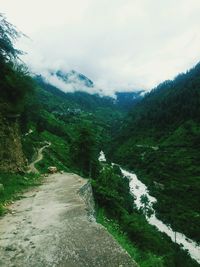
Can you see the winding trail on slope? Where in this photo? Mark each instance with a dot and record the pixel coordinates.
(51, 227)
(32, 167)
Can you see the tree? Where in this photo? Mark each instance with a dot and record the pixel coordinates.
(15, 81)
(84, 152)
(146, 208)
(8, 35)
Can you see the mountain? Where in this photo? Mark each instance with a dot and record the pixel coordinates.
(159, 139)
(77, 84)
(73, 77)
(77, 98)
(127, 100)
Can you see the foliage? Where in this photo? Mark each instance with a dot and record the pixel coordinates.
(112, 192)
(8, 35)
(13, 185)
(14, 79)
(159, 140)
(117, 212)
(143, 258)
(15, 83)
(57, 154)
(146, 208)
(84, 152)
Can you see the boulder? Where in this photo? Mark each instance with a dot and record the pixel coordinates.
(52, 169)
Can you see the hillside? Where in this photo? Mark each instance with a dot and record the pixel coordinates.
(11, 155)
(52, 114)
(63, 119)
(159, 140)
(15, 83)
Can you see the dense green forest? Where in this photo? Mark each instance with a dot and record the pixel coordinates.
(159, 140)
(79, 125)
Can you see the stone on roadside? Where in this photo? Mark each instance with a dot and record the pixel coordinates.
(52, 169)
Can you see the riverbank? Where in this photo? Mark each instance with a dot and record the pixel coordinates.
(143, 258)
(129, 225)
(139, 189)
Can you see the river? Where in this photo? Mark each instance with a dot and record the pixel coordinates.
(137, 188)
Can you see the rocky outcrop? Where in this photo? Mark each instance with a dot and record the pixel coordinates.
(52, 169)
(86, 193)
(11, 155)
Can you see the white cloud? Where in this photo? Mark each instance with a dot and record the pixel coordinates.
(74, 84)
(119, 44)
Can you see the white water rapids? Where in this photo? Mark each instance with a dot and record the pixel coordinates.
(137, 188)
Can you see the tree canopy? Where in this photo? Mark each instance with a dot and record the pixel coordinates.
(8, 36)
(15, 81)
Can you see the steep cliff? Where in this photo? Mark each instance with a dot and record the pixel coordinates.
(11, 155)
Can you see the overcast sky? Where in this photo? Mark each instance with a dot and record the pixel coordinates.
(119, 44)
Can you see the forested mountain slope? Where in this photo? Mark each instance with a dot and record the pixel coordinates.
(69, 118)
(15, 83)
(68, 121)
(160, 141)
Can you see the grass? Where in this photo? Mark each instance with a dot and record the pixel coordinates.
(13, 185)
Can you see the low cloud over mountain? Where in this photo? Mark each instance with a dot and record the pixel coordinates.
(74, 81)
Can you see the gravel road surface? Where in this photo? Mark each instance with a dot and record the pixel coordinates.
(50, 227)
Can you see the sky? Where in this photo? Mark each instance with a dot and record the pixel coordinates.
(121, 45)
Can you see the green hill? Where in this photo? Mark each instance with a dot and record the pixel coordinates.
(160, 141)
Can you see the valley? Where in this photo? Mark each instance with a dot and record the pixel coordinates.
(147, 200)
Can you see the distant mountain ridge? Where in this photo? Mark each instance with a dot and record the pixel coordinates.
(74, 76)
(127, 100)
(80, 84)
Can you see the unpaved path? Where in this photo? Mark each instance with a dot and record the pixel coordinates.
(50, 227)
(32, 167)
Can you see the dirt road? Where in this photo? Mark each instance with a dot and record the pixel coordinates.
(32, 167)
(50, 227)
